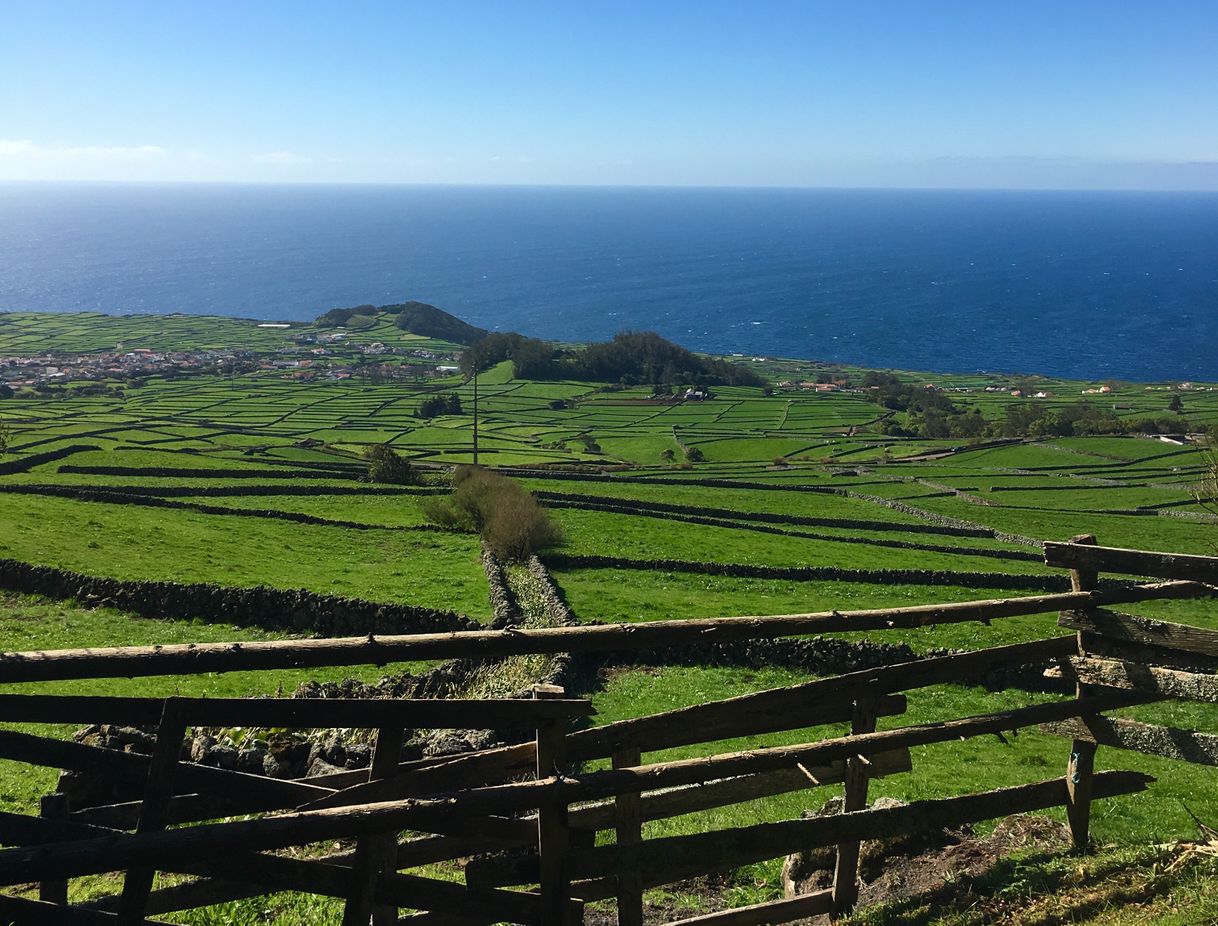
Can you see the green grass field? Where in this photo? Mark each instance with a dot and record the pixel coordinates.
(798, 479)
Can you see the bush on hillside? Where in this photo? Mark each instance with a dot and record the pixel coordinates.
(1207, 492)
(385, 465)
(507, 517)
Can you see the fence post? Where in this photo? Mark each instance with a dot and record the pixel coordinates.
(377, 852)
(157, 793)
(1081, 767)
(54, 809)
(846, 868)
(553, 835)
(629, 820)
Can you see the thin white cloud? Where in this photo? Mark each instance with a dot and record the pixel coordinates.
(28, 150)
(281, 158)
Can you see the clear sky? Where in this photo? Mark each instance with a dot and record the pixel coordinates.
(991, 93)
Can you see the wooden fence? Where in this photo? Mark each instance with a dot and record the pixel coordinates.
(1147, 659)
(536, 800)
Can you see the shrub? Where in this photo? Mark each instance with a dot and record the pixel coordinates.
(1207, 492)
(4, 438)
(507, 517)
(694, 455)
(385, 465)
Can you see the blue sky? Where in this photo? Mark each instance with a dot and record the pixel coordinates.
(990, 93)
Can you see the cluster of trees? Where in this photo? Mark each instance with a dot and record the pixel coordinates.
(899, 396)
(939, 424)
(1024, 419)
(531, 358)
(645, 358)
(436, 405)
(506, 516)
(631, 358)
(1082, 419)
(386, 465)
(933, 415)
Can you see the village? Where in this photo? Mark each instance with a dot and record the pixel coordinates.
(333, 360)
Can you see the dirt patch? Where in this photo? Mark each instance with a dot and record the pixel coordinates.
(904, 877)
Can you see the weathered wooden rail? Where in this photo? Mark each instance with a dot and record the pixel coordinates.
(547, 797)
(1144, 658)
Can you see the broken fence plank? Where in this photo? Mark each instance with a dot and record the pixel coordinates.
(1152, 739)
(1131, 676)
(1146, 631)
(1178, 566)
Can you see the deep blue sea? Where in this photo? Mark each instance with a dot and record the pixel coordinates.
(1088, 285)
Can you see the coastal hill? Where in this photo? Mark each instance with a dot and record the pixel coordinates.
(631, 357)
(416, 317)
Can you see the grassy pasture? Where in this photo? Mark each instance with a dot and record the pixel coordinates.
(129, 542)
(236, 433)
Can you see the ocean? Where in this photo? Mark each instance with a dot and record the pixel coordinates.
(1085, 285)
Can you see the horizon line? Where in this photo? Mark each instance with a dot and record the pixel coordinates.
(6, 181)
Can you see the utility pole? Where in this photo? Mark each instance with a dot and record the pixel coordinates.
(475, 414)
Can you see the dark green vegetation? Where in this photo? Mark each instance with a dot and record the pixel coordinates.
(630, 359)
(387, 465)
(507, 517)
(668, 507)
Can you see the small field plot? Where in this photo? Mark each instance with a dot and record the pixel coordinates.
(627, 596)
(430, 569)
(388, 511)
(1147, 532)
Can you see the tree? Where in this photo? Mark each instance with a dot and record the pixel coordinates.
(1176, 405)
(4, 437)
(6, 391)
(385, 465)
(440, 405)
